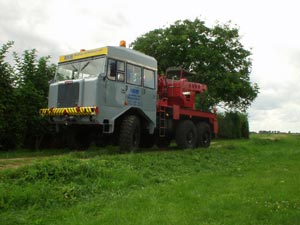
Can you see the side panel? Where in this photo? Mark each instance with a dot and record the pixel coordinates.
(148, 106)
(145, 99)
(88, 92)
(114, 93)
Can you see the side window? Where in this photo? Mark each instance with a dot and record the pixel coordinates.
(134, 74)
(112, 69)
(120, 71)
(116, 70)
(149, 78)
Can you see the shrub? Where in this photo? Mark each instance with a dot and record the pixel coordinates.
(233, 125)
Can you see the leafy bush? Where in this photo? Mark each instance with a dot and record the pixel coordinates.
(233, 125)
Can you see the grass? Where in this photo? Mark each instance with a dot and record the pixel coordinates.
(252, 181)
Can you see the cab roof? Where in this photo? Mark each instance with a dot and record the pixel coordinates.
(116, 52)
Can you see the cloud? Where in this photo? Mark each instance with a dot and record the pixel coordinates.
(282, 119)
(56, 27)
(277, 107)
(23, 22)
(277, 72)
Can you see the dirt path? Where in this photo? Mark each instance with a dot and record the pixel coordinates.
(13, 163)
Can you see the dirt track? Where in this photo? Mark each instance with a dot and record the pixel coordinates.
(13, 163)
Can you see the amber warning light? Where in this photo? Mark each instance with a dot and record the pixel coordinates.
(123, 43)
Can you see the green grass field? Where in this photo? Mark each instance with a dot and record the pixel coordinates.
(254, 181)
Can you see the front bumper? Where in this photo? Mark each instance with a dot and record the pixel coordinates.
(71, 111)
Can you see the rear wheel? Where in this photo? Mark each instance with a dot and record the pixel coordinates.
(130, 133)
(186, 134)
(204, 134)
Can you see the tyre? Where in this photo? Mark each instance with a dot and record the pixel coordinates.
(130, 134)
(186, 134)
(204, 134)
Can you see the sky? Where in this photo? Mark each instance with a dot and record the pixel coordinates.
(270, 29)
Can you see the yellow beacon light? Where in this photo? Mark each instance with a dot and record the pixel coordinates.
(123, 43)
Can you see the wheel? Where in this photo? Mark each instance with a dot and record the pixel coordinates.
(186, 134)
(130, 133)
(204, 134)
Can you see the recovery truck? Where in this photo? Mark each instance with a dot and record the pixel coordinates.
(115, 94)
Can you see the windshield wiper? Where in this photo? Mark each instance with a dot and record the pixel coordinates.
(85, 66)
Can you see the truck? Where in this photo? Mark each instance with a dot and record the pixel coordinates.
(114, 95)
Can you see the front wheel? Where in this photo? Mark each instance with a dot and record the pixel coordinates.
(130, 134)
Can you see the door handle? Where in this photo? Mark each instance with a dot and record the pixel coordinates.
(124, 90)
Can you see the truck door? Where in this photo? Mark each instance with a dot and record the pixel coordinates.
(115, 87)
(141, 90)
(134, 85)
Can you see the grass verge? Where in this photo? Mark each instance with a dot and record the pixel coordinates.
(234, 182)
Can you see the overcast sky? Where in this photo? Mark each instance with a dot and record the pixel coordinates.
(270, 28)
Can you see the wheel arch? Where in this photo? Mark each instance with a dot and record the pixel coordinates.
(146, 122)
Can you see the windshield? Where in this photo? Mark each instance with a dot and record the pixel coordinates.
(81, 69)
(178, 74)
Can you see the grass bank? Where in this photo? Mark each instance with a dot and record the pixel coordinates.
(252, 181)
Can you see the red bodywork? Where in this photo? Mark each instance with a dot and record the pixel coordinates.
(178, 96)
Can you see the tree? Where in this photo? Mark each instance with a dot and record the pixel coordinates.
(32, 76)
(7, 101)
(23, 91)
(215, 54)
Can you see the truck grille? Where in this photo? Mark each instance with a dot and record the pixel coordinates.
(68, 95)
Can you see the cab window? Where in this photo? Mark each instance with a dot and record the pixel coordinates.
(149, 78)
(120, 71)
(116, 70)
(134, 74)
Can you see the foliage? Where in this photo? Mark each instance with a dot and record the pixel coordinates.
(7, 101)
(233, 125)
(215, 54)
(25, 90)
(32, 77)
(258, 176)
